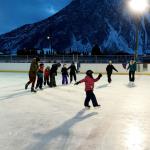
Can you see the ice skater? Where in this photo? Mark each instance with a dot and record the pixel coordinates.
(53, 73)
(40, 76)
(73, 71)
(109, 70)
(89, 87)
(65, 74)
(32, 73)
(46, 75)
(78, 66)
(132, 69)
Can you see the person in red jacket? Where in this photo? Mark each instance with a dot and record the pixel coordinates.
(89, 87)
(46, 75)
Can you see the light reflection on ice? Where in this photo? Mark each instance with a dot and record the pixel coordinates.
(134, 137)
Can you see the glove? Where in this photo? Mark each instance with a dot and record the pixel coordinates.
(76, 83)
(100, 75)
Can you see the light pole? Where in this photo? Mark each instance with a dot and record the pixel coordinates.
(50, 39)
(138, 7)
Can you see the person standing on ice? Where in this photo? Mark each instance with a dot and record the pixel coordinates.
(109, 70)
(32, 73)
(53, 73)
(73, 71)
(65, 75)
(132, 69)
(89, 87)
(46, 75)
(40, 76)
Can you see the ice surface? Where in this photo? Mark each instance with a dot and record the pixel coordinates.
(54, 119)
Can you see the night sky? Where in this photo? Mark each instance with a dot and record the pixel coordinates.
(14, 13)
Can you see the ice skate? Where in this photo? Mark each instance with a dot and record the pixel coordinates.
(26, 86)
(41, 88)
(98, 106)
(87, 107)
(132, 84)
(32, 90)
(109, 85)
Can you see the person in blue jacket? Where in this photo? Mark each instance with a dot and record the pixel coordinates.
(132, 70)
(40, 77)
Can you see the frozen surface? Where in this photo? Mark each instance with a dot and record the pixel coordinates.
(54, 119)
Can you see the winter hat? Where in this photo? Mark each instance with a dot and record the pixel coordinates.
(89, 72)
(41, 64)
(58, 64)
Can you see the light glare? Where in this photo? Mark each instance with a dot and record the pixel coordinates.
(138, 6)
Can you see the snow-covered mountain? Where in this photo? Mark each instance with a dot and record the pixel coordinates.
(82, 24)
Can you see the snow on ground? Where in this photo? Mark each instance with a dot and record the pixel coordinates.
(54, 119)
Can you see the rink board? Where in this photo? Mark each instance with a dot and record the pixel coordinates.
(24, 67)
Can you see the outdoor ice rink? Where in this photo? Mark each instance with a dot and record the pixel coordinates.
(55, 119)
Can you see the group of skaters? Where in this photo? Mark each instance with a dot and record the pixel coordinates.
(47, 77)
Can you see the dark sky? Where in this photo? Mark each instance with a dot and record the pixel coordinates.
(14, 13)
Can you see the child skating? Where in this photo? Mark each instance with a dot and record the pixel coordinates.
(40, 77)
(47, 76)
(109, 70)
(73, 71)
(89, 87)
(65, 75)
(53, 74)
(132, 69)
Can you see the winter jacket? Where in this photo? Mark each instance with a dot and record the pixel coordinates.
(73, 69)
(89, 83)
(132, 67)
(40, 72)
(64, 71)
(54, 69)
(46, 73)
(33, 67)
(110, 69)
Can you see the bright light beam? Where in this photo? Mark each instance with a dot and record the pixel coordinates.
(139, 6)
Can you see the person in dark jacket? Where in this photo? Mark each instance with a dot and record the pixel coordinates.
(40, 76)
(109, 70)
(46, 75)
(32, 73)
(78, 66)
(53, 73)
(73, 71)
(132, 69)
(65, 75)
(89, 87)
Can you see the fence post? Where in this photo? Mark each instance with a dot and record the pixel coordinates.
(77, 57)
(73, 57)
(96, 58)
(11, 58)
(27, 59)
(63, 59)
